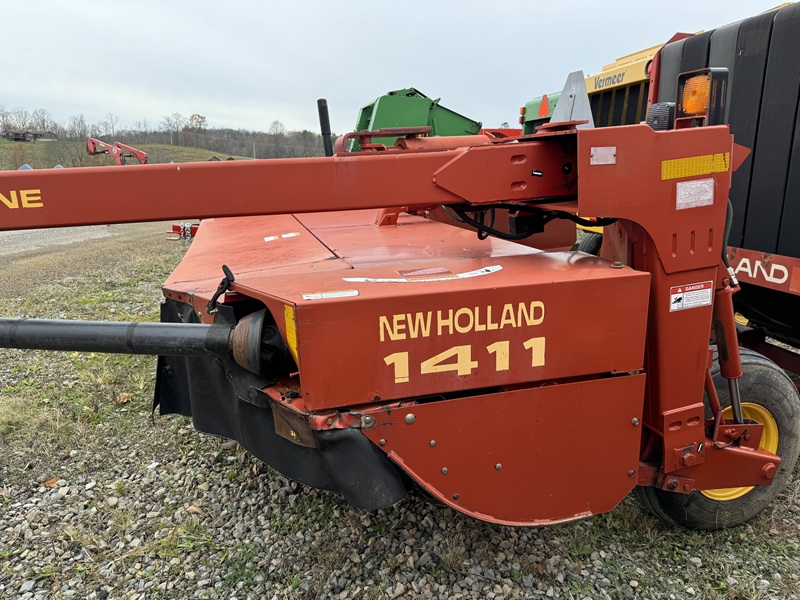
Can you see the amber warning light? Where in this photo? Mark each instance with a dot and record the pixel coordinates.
(701, 98)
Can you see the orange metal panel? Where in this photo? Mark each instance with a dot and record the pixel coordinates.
(685, 216)
(527, 457)
(372, 339)
(395, 299)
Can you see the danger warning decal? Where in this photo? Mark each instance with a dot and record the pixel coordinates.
(693, 295)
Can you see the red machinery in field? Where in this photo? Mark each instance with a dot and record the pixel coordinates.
(358, 346)
(118, 150)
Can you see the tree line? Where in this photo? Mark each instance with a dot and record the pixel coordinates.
(175, 129)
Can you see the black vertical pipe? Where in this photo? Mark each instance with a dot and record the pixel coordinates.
(325, 126)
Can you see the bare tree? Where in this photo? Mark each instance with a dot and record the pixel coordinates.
(277, 135)
(108, 126)
(40, 119)
(77, 127)
(173, 124)
(20, 118)
(277, 129)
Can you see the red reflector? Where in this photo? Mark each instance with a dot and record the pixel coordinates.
(521, 120)
(544, 107)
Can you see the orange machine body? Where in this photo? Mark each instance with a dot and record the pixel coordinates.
(516, 385)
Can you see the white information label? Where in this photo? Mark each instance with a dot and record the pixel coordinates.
(412, 279)
(603, 155)
(693, 295)
(331, 294)
(691, 194)
(283, 236)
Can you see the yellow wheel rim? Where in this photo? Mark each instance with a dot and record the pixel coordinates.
(769, 442)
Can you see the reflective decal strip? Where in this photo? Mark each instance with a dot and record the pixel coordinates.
(291, 331)
(693, 166)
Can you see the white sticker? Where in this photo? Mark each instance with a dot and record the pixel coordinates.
(443, 277)
(283, 236)
(331, 294)
(694, 295)
(603, 155)
(691, 194)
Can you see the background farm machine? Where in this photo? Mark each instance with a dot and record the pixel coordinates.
(368, 341)
(117, 150)
(763, 87)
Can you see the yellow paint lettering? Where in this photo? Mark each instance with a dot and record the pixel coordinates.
(490, 325)
(400, 362)
(478, 325)
(393, 329)
(501, 355)
(419, 324)
(11, 201)
(463, 364)
(507, 318)
(441, 321)
(399, 326)
(536, 346)
(529, 314)
(463, 326)
(31, 198)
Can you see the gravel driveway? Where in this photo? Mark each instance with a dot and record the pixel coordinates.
(99, 500)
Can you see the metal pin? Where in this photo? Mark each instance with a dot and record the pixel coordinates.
(410, 418)
(444, 470)
(432, 443)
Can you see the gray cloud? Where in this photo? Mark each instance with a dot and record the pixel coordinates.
(245, 64)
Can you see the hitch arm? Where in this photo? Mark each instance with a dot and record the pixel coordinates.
(98, 195)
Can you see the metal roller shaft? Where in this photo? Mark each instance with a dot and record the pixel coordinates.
(165, 339)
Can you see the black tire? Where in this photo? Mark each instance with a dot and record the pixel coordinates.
(764, 384)
(590, 243)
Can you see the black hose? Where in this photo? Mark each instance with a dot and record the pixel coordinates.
(487, 230)
(726, 234)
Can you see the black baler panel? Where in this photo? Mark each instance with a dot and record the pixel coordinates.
(789, 236)
(632, 108)
(619, 105)
(722, 53)
(670, 69)
(775, 133)
(695, 52)
(745, 100)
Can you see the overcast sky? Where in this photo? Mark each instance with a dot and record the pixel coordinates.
(247, 63)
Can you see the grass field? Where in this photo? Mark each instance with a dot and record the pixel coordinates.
(45, 155)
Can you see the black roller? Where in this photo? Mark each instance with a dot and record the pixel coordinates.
(165, 339)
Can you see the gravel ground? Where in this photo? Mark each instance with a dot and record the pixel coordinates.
(99, 500)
